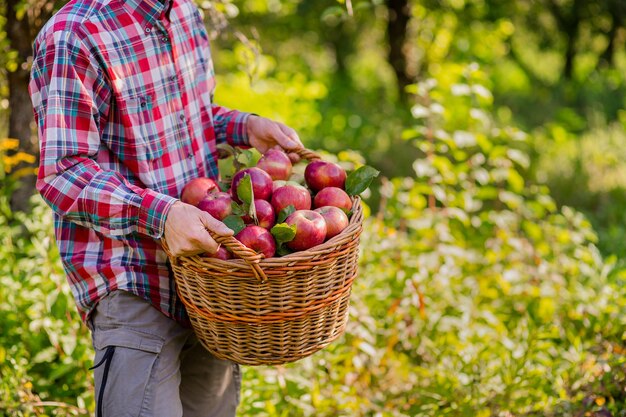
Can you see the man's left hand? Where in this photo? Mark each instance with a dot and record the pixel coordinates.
(265, 134)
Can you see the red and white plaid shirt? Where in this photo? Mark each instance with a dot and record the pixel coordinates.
(122, 92)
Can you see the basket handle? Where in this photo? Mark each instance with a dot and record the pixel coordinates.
(305, 153)
(248, 255)
(234, 246)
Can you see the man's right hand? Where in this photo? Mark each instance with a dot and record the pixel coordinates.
(186, 230)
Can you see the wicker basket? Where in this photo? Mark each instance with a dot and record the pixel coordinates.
(256, 311)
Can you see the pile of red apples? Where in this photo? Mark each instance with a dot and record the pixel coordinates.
(280, 215)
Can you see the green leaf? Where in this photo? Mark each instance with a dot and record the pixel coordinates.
(225, 149)
(516, 181)
(237, 209)
(284, 213)
(224, 186)
(359, 180)
(283, 232)
(245, 158)
(235, 223)
(251, 210)
(332, 12)
(283, 250)
(245, 191)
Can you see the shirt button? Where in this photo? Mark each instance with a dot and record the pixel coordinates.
(148, 29)
(172, 77)
(164, 39)
(182, 117)
(189, 155)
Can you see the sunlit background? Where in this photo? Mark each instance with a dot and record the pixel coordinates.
(492, 265)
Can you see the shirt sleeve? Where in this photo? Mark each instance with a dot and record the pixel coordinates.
(71, 99)
(230, 126)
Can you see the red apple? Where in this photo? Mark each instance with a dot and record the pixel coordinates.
(294, 195)
(196, 189)
(217, 205)
(333, 196)
(278, 184)
(310, 229)
(264, 213)
(276, 163)
(261, 183)
(258, 239)
(282, 183)
(222, 253)
(322, 174)
(336, 220)
(297, 178)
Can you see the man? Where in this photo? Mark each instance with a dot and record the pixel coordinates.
(123, 97)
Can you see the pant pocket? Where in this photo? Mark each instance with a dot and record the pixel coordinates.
(125, 362)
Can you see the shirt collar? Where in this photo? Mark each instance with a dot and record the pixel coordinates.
(149, 10)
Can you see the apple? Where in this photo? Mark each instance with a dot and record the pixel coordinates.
(298, 178)
(291, 194)
(310, 229)
(333, 196)
(282, 183)
(278, 184)
(261, 183)
(258, 239)
(264, 213)
(336, 220)
(276, 163)
(195, 190)
(322, 174)
(217, 205)
(222, 253)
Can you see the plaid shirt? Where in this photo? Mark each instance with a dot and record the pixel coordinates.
(122, 92)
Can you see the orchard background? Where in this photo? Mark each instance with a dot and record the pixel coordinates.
(492, 268)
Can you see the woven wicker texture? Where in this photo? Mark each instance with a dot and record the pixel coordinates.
(256, 311)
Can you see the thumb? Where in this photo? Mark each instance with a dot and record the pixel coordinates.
(214, 225)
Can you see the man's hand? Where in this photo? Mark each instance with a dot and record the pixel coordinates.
(186, 230)
(265, 134)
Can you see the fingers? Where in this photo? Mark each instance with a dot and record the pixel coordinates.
(204, 241)
(288, 138)
(186, 230)
(214, 225)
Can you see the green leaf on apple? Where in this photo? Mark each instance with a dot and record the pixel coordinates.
(358, 180)
(283, 250)
(245, 158)
(226, 150)
(284, 213)
(245, 192)
(237, 209)
(224, 186)
(235, 223)
(283, 232)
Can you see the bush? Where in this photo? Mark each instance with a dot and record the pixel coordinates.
(477, 295)
(590, 175)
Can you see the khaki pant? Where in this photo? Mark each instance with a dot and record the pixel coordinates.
(148, 365)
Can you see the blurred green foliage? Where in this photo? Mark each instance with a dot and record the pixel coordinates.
(491, 280)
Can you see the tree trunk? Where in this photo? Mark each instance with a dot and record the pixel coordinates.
(617, 11)
(20, 35)
(399, 16)
(569, 23)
